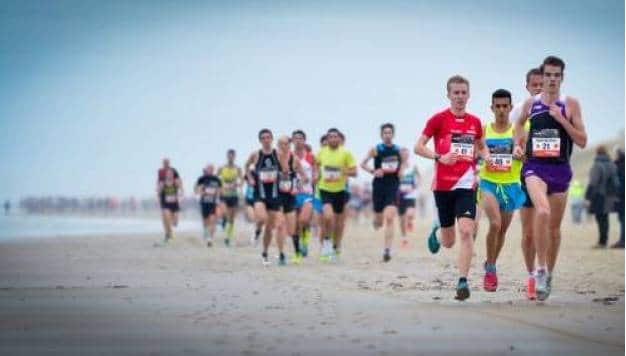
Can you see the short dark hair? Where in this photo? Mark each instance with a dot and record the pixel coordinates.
(333, 130)
(298, 132)
(501, 93)
(553, 61)
(230, 151)
(457, 79)
(323, 138)
(341, 135)
(387, 125)
(264, 131)
(533, 71)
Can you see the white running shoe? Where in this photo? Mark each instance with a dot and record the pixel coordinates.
(266, 261)
(542, 290)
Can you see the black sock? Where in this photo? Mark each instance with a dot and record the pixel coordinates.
(282, 256)
(463, 280)
(334, 246)
(296, 243)
(264, 254)
(326, 238)
(257, 233)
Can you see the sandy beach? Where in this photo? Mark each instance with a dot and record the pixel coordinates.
(120, 295)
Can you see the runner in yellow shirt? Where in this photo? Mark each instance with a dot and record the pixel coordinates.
(333, 164)
(500, 188)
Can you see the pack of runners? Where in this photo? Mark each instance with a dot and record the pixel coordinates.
(518, 161)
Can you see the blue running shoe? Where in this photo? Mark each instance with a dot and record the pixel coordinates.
(462, 291)
(433, 244)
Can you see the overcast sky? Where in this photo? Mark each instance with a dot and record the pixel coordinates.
(94, 93)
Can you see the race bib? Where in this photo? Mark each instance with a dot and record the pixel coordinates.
(210, 190)
(463, 146)
(332, 174)
(546, 147)
(500, 163)
(285, 185)
(390, 165)
(209, 198)
(406, 187)
(268, 176)
(304, 188)
(171, 198)
(229, 186)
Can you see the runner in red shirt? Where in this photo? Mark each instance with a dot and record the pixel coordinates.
(458, 136)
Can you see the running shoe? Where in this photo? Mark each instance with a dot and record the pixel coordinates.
(304, 244)
(296, 259)
(541, 288)
(490, 282)
(334, 255)
(209, 243)
(326, 251)
(252, 240)
(549, 284)
(530, 288)
(265, 260)
(433, 244)
(282, 260)
(386, 256)
(462, 291)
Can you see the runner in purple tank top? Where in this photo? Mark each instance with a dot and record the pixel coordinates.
(555, 126)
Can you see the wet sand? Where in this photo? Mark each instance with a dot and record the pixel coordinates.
(120, 295)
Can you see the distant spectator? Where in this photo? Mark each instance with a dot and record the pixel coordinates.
(619, 202)
(576, 194)
(601, 192)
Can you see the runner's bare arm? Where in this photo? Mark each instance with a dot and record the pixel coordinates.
(315, 170)
(575, 128)
(240, 177)
(252, 160)
(422, 150)
(179, 183)
(483, 149)
(350, 171)
(418, 176)
(518, 129)
(364, 164)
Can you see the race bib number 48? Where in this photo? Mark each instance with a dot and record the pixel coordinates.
(500, 163)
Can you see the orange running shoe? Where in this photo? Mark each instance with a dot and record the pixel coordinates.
(530, 288)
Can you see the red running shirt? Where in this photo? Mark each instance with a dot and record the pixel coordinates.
(460, 135)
